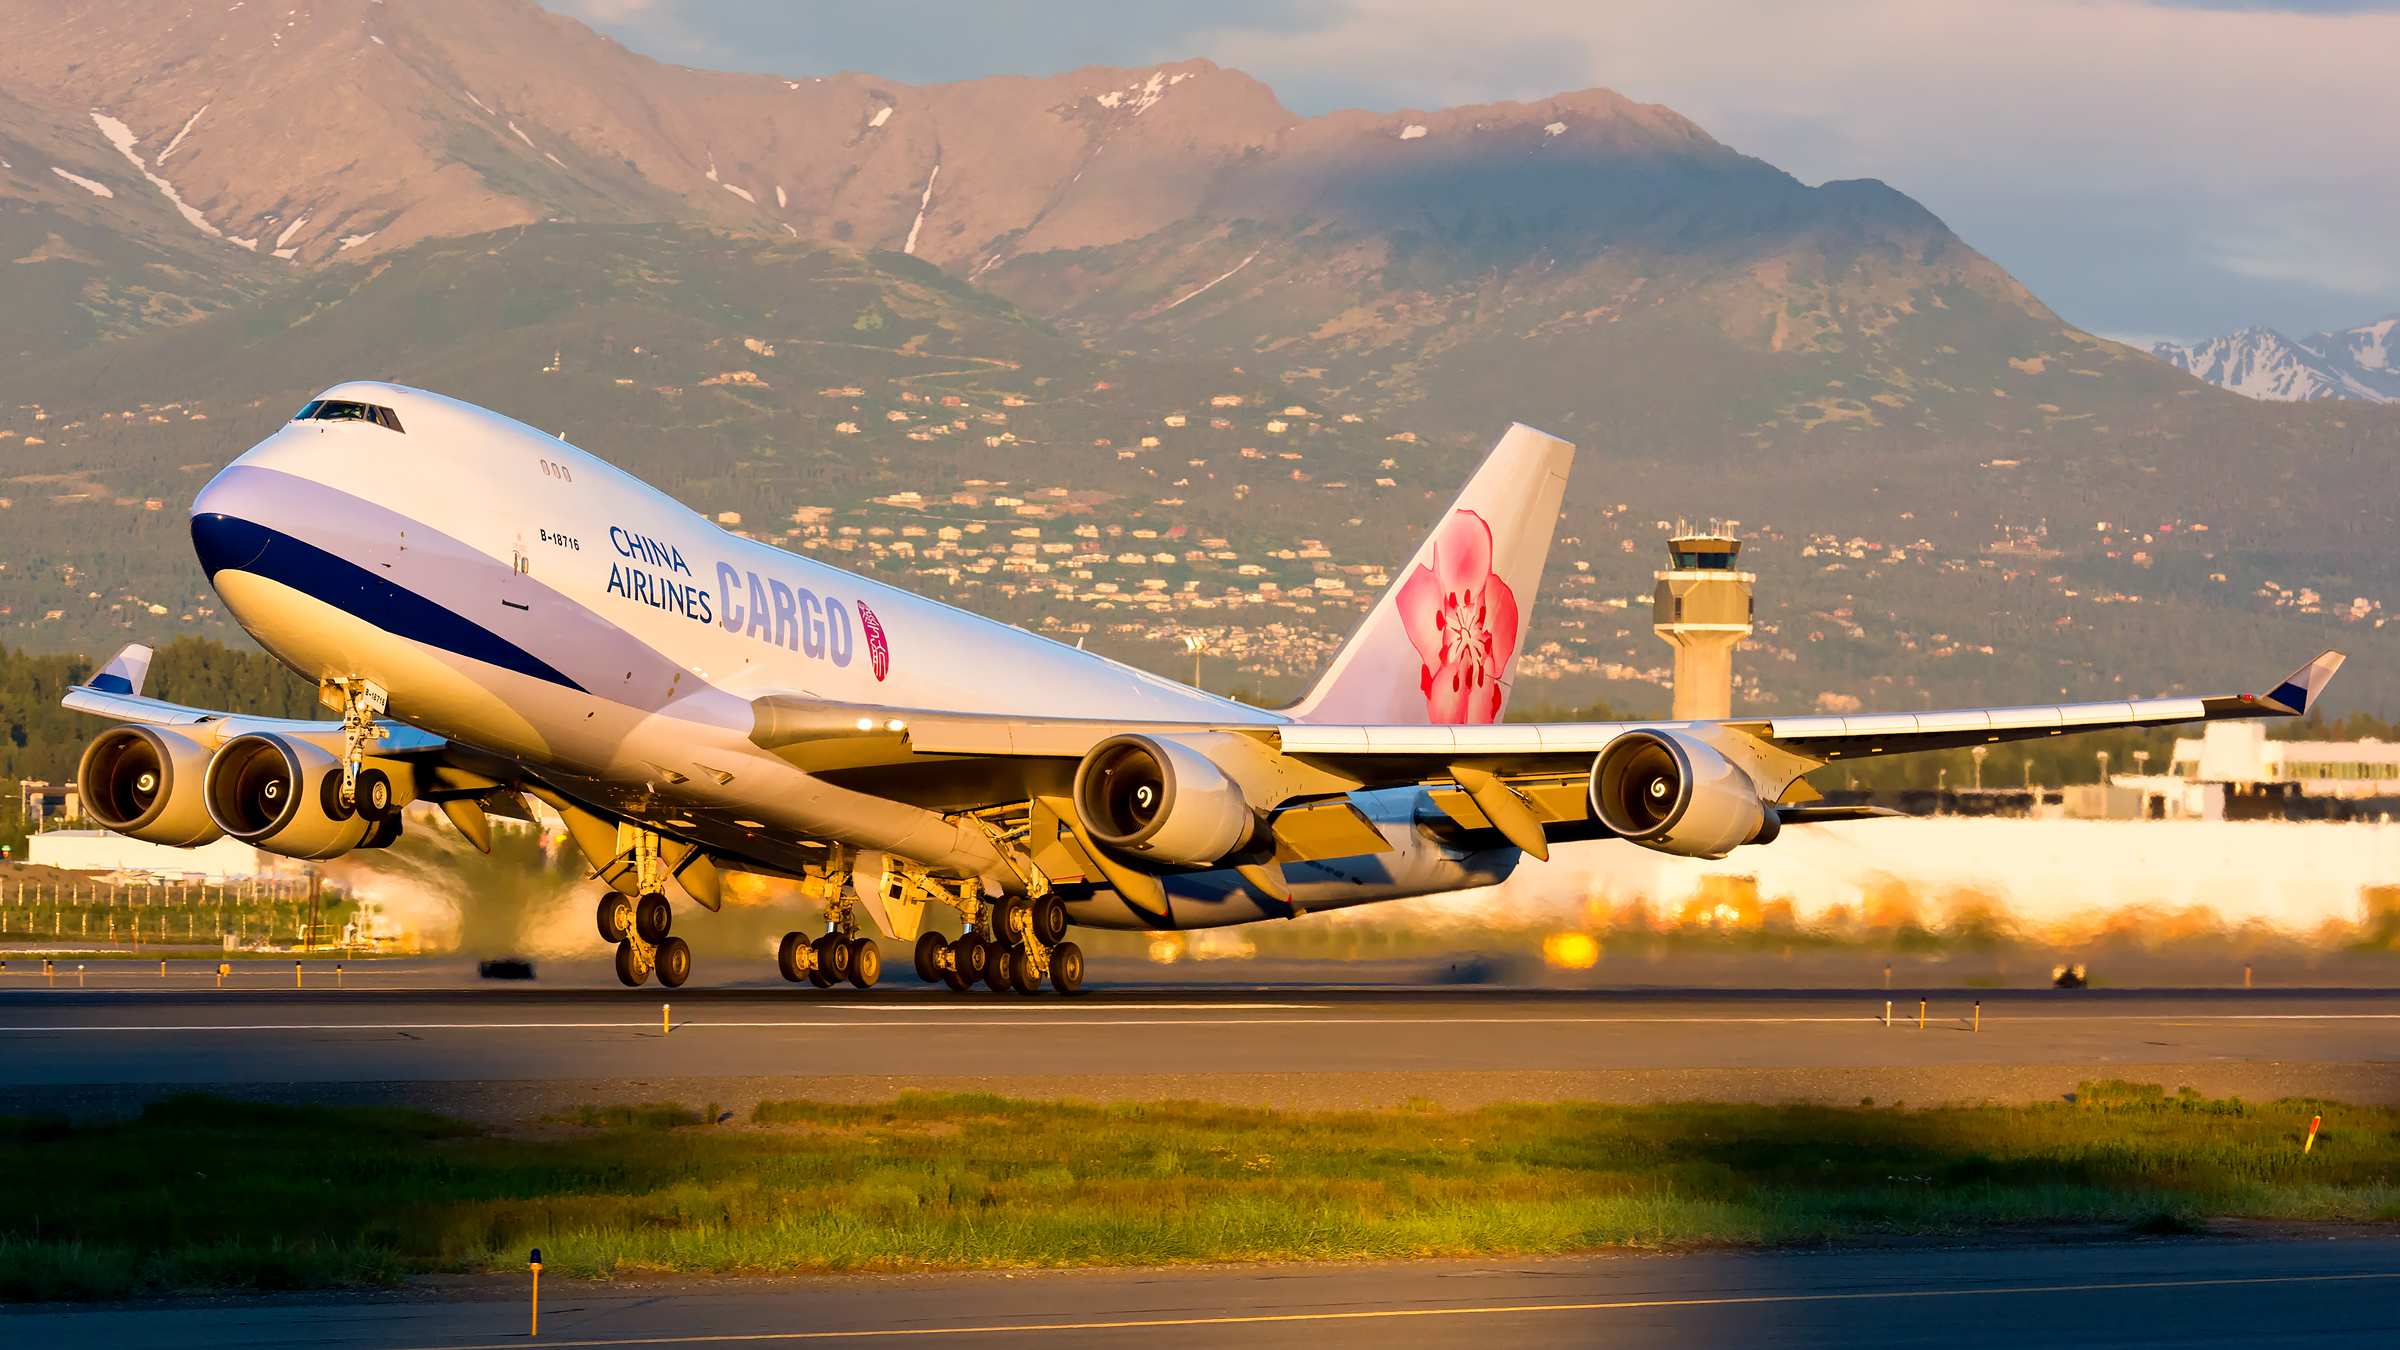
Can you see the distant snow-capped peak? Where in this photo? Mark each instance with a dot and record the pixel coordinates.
(2358, 363)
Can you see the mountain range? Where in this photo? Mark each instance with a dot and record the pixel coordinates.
(763, 293)
(2357, 363)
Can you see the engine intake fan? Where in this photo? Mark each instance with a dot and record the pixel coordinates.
(283, 795)
(148, 784)
(1676, 794)
(1161, 801)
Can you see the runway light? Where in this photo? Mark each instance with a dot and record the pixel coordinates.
(1571, 951)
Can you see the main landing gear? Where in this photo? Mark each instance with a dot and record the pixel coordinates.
(1019, 943)
(831, 959)
(1015, 943)
(640, 925)
(839, 955)
(644, 946)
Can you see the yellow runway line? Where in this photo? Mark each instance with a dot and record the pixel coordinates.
(1487, 1309)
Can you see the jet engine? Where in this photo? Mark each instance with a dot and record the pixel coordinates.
(284, 795)
(1676, 794)
(149, 784)
(1161, 801)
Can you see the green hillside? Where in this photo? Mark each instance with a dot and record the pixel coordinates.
(720, 367)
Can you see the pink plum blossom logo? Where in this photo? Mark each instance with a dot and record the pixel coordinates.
(1463, 622)
(879, 648)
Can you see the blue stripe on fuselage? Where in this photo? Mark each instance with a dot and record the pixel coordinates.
(230, 543)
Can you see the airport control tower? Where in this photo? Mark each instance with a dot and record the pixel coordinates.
(1703, 607)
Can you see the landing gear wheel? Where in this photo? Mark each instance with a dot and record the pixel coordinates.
(1066, 969)
(866, 962)
(996, 976)
(1010, 919)
(833, 958)
(1050, 920)
(615, 917)
(372, 795)
(1020, 973)
(632, 969)
(674, 962)
(652, 917)
(787, 957)
(329, 797)
(967, 958)
(928, 969)
(818, 977)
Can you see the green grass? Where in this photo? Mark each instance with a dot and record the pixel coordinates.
(202, 1193)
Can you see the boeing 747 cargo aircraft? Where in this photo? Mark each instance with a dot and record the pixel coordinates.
(500, 618)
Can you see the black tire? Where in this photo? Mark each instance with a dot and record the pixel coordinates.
(967, 956)
(1020, 973)
(928, 943)
(329, 796)
(787, 957)
(653, 918)
(833, 958)
(615, 917)
(1066, 969)
(866, 963)
(385, 834)
(629, 967)
(817, 978)
(996, 976)
(674, 962)
(373, 795)
(1010, 919)
(1050, 920)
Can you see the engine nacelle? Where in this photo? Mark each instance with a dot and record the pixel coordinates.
(283, 795)
(1160, 800)
(1676, 794)
(148, 784)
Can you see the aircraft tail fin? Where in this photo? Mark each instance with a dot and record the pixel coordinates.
(1441, 644)
(124, 672)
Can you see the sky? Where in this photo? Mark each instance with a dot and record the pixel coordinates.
(2152, 170)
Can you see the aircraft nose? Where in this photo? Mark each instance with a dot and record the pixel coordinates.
(234, 516)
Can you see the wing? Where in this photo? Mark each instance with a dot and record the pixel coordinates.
(1529, 780)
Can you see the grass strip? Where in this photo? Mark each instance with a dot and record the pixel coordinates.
(201, 1193)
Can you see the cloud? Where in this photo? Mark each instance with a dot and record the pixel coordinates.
(2184, 168)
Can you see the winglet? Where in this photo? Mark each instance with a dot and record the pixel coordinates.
(124, 673)
(2300, 690)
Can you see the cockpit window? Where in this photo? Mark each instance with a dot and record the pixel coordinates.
(343, 410)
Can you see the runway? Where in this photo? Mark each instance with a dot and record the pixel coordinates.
(2183, 1292)
(507, 1051)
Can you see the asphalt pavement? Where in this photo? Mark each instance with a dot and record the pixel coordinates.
(505, 1051)
(2183, 1292)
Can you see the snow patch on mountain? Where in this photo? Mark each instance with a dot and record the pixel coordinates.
(96, 189)
(122, 137)
(2357, 363)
